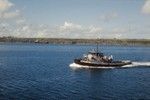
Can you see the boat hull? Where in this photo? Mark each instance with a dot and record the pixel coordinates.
(112, 64)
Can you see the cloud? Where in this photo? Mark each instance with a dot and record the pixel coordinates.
(70, 27)
(72, 30)
(10, 19)
(5, 5)
(146, 7)
(118, 36)
(119, 30)
(14, 24)
(10, 14)
(109, 16)
(8, 11)
(93, 29)
(20, 21)
(67, 30)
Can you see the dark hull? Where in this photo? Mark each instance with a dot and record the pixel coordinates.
(112, 64)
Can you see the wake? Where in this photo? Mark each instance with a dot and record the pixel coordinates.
(138, 64)
(134, 64)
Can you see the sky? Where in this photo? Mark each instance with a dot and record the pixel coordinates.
(121, 19)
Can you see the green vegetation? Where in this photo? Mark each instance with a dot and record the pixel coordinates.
(78, 41)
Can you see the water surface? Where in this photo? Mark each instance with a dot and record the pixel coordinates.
(41, 71)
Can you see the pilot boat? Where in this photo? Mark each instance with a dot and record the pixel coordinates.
(97, 59)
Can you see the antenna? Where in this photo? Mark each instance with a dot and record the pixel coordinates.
(97, 45)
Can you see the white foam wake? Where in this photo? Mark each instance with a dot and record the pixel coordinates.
(134, 64)
(74, 65)
(138, 64)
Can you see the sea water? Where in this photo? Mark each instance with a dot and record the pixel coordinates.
(43, 72)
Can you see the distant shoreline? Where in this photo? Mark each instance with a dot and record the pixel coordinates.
(132, 42)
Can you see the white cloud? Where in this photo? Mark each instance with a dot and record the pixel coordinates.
(67, 30)
(25, 28)
(20, 21)
(72, 30)
(146, 7)
(119, 30)
(70, 27)
(5, 5)
(10, 15)
(109, 16)
(8, 11)
(93, 29)
(118, 36)
(76, 28)
(4, 24)
(10, 18)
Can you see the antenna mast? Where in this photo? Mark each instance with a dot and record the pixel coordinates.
(97, 45)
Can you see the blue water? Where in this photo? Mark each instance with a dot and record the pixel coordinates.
(42, 72)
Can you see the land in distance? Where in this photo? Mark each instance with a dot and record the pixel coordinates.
(145, 42)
